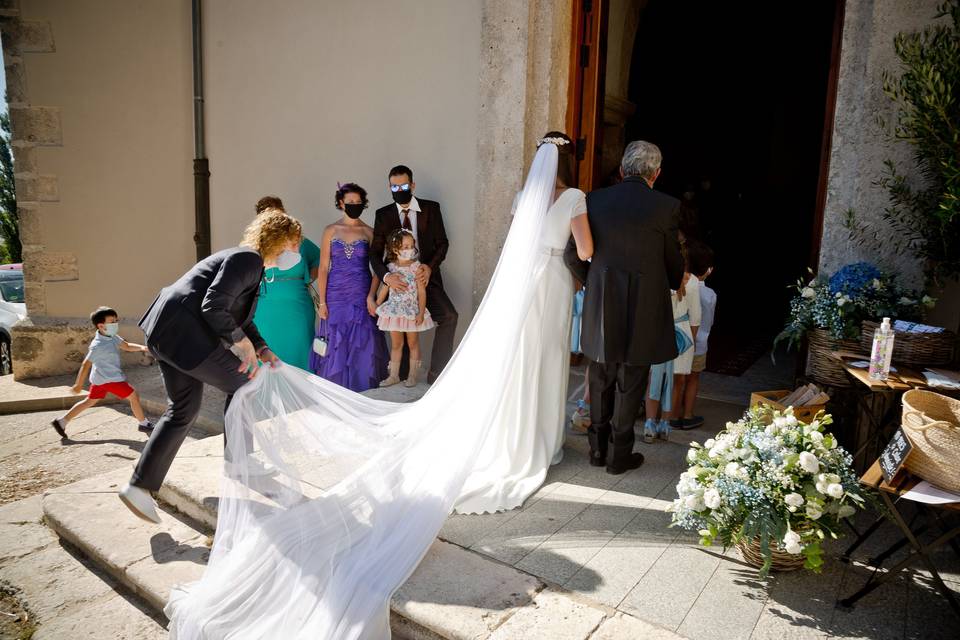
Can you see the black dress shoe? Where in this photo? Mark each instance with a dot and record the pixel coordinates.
(688, 423)
(633, 461)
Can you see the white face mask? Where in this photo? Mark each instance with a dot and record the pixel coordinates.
(111, 328)
(288, 260)
(407, 254)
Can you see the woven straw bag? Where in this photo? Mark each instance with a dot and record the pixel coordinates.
(932, 423)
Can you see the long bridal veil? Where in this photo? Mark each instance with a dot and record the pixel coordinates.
(330, 499)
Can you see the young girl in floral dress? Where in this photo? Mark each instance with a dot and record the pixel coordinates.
(404, 314)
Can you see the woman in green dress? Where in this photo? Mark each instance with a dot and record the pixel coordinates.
(285, 315)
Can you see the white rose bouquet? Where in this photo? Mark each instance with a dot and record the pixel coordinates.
(770, 478)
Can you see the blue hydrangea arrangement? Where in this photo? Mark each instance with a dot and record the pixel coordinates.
(854, 279)
(839, 304)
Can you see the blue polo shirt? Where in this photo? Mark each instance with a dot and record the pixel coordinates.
(104, 356)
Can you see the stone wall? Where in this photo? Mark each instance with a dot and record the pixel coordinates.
(100, 107)
(107, 217)
(860, 146)
(32, 126)
(524, 74)
(51, 347)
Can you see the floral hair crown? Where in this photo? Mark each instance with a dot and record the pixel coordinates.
(557, 141)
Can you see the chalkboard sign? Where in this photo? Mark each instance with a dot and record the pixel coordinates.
(894, 454)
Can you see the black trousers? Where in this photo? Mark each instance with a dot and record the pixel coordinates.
(184, 396)
(616, 395)
(445, 315)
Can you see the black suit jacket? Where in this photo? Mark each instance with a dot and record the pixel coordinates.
(432, 237)
(209, 307)
(627, 314)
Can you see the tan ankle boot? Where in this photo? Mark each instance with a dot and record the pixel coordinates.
(394, 371)
(411, 380)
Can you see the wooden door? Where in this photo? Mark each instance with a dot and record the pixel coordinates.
(827, 141)
(587, 72)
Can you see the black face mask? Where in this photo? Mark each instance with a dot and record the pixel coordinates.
(402, 197)
(353, 210)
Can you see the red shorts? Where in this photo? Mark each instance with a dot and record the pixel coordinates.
(119, 389)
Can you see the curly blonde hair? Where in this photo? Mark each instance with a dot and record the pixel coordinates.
(270, 232)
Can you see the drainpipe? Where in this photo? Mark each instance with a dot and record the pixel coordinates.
(201, 167)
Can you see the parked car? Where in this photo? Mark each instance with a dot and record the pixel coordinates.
(12, 310)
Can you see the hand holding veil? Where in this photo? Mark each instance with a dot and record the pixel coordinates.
(341, 495)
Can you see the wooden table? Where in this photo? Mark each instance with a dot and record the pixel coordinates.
(880, 404)
(891, 495)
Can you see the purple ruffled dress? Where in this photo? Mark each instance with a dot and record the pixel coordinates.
(356, 350)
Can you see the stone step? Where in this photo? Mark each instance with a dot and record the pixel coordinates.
(454, 593)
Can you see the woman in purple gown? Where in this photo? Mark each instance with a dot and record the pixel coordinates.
(356, 353)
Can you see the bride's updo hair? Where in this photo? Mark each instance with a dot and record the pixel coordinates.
(568, 156)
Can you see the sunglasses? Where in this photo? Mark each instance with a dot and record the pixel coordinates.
(396, 188)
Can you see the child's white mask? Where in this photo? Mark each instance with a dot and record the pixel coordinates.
(111, 328)
(407, 254)
(288, 260)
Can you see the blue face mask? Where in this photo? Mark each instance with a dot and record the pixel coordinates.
(111, 328)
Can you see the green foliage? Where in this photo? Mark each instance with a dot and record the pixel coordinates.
(925, 219)
(764, 523)
(11, 251)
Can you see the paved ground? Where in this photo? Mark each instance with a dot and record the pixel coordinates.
(33, 458)
(765, 375)
(607, 537)
(602, 536)
(66, 596)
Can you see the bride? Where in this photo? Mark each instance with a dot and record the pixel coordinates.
(341, 495)
(528, 428)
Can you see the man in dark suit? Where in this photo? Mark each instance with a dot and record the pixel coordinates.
(627, 320)
(424, 220)
(194, 329)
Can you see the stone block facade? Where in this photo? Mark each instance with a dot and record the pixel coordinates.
(56, 347)
(860, 145)
(41, 346)
(525, 52)
(36, 125)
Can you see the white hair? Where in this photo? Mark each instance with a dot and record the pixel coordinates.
(642, 159)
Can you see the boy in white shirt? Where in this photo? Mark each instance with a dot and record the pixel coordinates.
(106, 373)
(700, 258)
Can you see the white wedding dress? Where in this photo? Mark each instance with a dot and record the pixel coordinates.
(531, 419)
(341, 495)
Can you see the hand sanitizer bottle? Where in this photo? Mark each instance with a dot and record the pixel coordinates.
(882, 352)
(888, 350)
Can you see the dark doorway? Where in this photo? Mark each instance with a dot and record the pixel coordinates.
(736, 96)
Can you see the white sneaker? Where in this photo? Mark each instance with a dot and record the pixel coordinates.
(140, 502)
